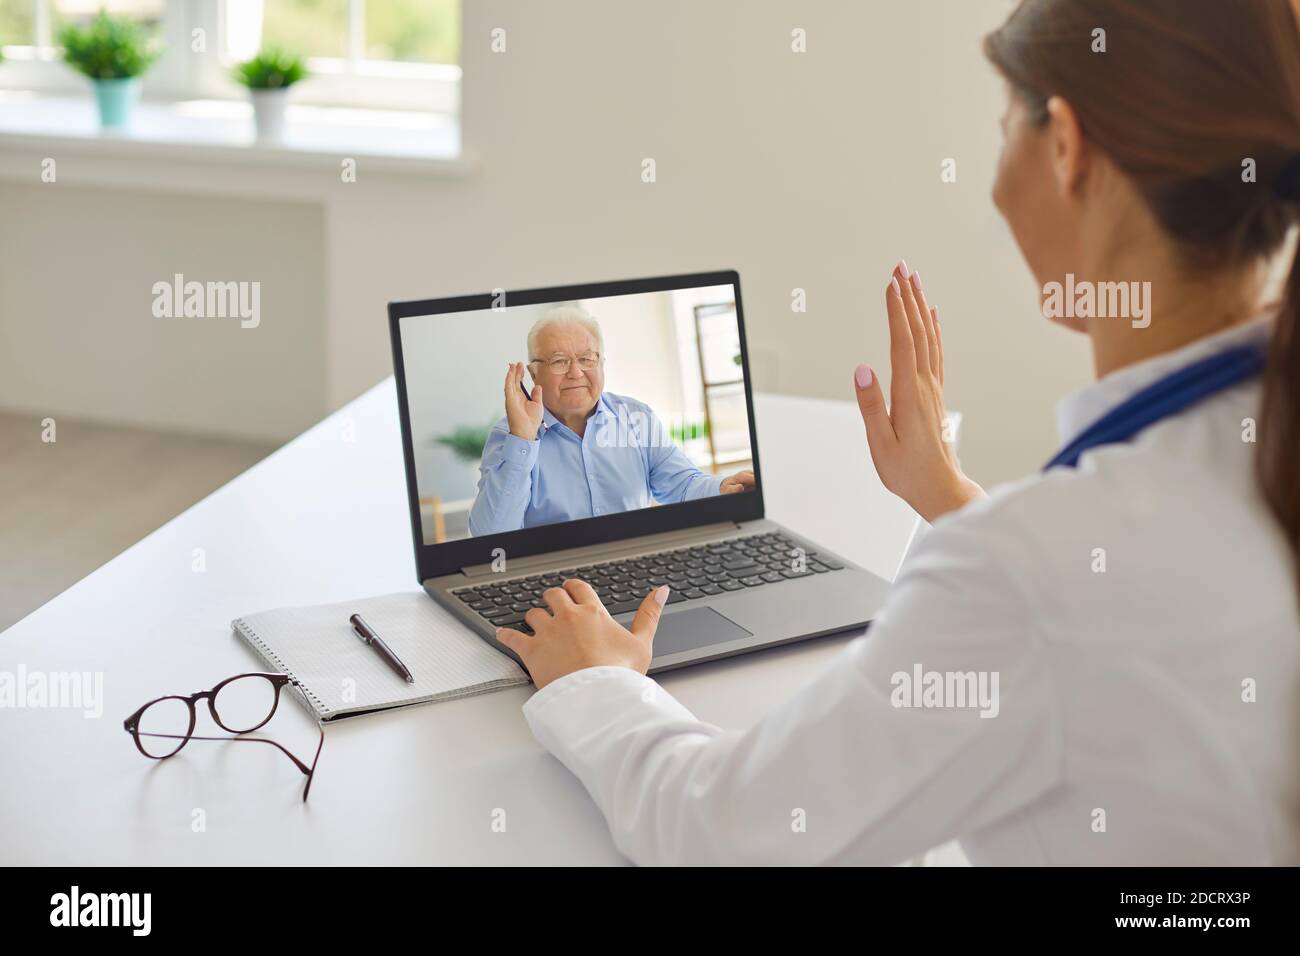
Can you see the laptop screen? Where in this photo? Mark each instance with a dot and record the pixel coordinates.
(533, 414)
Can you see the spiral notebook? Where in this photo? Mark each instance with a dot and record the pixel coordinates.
(342, 677)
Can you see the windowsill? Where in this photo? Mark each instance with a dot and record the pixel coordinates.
(222, 130)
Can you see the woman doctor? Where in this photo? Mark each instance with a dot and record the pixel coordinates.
(1137, 600)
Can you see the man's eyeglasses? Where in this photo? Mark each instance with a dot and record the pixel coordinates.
(239, 704)
(560, 365)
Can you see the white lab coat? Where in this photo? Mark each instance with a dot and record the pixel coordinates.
(1126, 729)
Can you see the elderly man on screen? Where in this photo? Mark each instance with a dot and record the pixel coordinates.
(571, 449)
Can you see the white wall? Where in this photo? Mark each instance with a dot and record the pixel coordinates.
(813, 171)
(78, 335)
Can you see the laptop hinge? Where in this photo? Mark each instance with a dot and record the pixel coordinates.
(627, 547)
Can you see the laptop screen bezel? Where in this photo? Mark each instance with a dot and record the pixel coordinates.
(437, 560)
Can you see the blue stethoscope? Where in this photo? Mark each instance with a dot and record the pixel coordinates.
(1170, 395)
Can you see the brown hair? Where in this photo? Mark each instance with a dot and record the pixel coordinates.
(1185, 93)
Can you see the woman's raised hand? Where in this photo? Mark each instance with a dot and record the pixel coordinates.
(523, 413)
(910, 441)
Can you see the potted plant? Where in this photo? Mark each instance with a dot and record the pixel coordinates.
(268, 77)
(113, 52)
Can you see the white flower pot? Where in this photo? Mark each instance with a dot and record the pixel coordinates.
(268, 112)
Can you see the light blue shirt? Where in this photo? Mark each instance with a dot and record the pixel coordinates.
(624, 459)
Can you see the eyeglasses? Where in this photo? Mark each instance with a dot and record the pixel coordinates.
(560, 365)
(239, 704)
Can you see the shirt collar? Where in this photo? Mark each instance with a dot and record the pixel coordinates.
(603, 407)
(1080, 409)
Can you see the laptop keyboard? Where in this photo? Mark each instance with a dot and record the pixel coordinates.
(692, 574)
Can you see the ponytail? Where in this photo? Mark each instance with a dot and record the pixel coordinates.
(1278, 458)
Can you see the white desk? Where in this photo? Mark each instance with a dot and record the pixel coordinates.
(324, 519)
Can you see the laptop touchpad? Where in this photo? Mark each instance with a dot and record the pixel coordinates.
(694, 627)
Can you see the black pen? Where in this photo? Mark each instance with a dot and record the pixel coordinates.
(368, 636)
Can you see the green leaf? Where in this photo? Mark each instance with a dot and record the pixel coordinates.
(109, 47)
(271, 69)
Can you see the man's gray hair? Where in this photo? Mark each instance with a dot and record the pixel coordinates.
(564, 315)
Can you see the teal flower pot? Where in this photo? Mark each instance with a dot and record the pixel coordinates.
(116, 100)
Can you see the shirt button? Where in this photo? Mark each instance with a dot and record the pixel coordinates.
(590, 476)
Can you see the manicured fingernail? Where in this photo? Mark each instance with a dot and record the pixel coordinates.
(916, 281)
(862, 375)
(902, 267)
(661, 595)
(893, 284)
(934, 312)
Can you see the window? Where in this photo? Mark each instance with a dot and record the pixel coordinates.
(398, 54)
(17, 23)
(407, 31)
(31, 24)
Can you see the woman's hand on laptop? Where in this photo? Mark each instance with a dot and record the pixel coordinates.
(577, 632)
(523, 413)
(910, 442)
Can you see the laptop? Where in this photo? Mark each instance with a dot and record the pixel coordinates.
(605, 432)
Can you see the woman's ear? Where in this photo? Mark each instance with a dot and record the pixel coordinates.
(1067, 146)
